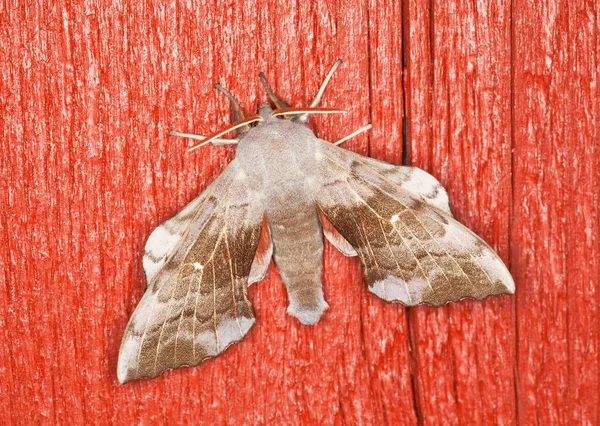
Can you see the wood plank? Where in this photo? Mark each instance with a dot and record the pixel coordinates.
(458, 110)
(384, 326)
(556, 210)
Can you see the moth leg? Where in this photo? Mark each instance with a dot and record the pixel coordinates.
(217, 141)
(238, 112)
(277, 101)
(354, 133)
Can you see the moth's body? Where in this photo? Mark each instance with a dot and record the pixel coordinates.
(282, 193)
(282, 173)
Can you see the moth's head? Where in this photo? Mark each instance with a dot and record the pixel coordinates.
(268, 113)
(280, 109)
(265, 111)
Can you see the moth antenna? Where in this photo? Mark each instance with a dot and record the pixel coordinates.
(306, 111)
(227, 129)
(218, 141)
(354, 133)
(238, 112)
(317, 99)
(279, 103)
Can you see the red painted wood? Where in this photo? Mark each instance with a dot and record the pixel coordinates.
(459, 123)
(501, 101)
(554, 237)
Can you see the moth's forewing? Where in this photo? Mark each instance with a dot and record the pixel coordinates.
(198, 264)
(411, 249)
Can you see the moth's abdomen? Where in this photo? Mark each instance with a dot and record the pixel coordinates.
(298, 253)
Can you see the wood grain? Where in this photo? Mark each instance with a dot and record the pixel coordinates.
(554, 237)
(501, 101)
(459, 125)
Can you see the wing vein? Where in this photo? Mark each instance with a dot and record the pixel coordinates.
(369, 245)
(215, 307)
(183, 311)
(212, 262)
(387, 243)
(414, 255)
(345, 168)
(428, 254)
(162, 327)
(237, 317)
(195, 311)
(137, 366)
(443, 249)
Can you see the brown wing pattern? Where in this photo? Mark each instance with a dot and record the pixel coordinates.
(417, 182)
(411, 252)
(196, 302)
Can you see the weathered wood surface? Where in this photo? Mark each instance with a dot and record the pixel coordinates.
(501, 101)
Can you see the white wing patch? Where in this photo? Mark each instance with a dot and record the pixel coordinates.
(394, 289)
(492, 265)
(228, 331)
(422, 183)
(128, 356)
(160, 243)
(165, 238)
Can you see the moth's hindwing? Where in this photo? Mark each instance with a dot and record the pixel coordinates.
(263, 255)
(412, 250)
(197, 266)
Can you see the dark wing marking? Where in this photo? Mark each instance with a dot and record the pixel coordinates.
(334, 237)
(196, 303)
(411, 252)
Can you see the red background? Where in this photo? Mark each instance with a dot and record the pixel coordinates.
(502, 104)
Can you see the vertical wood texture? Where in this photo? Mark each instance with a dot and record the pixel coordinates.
(502, 104)
(554, 237)
(460, 121)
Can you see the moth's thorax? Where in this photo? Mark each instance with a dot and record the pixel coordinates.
(279, 157)
(271, 132)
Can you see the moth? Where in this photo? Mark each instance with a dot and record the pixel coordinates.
(284, 190)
